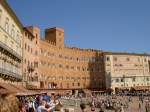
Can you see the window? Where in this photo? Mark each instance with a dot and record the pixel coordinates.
(147, 79)
(133, 79)
(67, 78)
(67, 85)
(28, 63)
(60, 66)
(138, 59)
(122, 79)
(72, 84)
(67, 67)
(60, 56)
(25, 61)
(117, 80)
(121, 65)
(59, 34)
(72, 67)
(36, 53)
(28, 48)
(78, 68)
(31, 64)
(115, 58)
(78, 84)
(7, 25)
(128, 59)
(13, 31)
(36, 42)
(107, 59)
(36, 64)
(83, 69)
(17, 35)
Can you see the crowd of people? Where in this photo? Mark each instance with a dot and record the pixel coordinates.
(120, 103)
(53, 102)
(37, 103)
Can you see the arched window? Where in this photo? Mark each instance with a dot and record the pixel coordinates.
(7, 25)
(13, 31)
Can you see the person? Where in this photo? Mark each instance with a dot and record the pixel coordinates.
(30, 105)
(93, 108)
(9, 103)
(46, 97)
(59, 107)
(122, 109)
(83, 107)
(42, 107)
(101, 110)
(22, 108)
(139, 106)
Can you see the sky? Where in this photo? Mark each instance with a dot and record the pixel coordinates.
(109, 25)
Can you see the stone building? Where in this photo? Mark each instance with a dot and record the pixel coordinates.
(126, 70)
(10, 45)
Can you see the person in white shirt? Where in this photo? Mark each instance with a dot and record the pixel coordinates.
(42, 108)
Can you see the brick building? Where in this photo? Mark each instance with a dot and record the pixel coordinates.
(68, 68)
(30, 56)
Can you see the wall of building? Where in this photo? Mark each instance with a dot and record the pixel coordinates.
(127, 70)
(68, 68)
(10, 32)
(30, 56)
(10, 45)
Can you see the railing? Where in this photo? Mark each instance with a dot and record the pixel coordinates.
(4, 46)
(10, 73)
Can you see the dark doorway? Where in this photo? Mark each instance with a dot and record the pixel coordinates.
(41, 84)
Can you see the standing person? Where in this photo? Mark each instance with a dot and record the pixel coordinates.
(42, 107)
(92, 108)
(122, 109)
(139, 107)
(146, 109)
(101, 110)
(9, 103)
(83, 107)
(30, 105)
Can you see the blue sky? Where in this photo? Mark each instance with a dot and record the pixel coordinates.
(110, 25)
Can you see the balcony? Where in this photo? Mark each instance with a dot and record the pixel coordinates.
(9, 50)
(9, 75)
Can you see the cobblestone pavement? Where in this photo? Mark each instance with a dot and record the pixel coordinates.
(133, 106)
